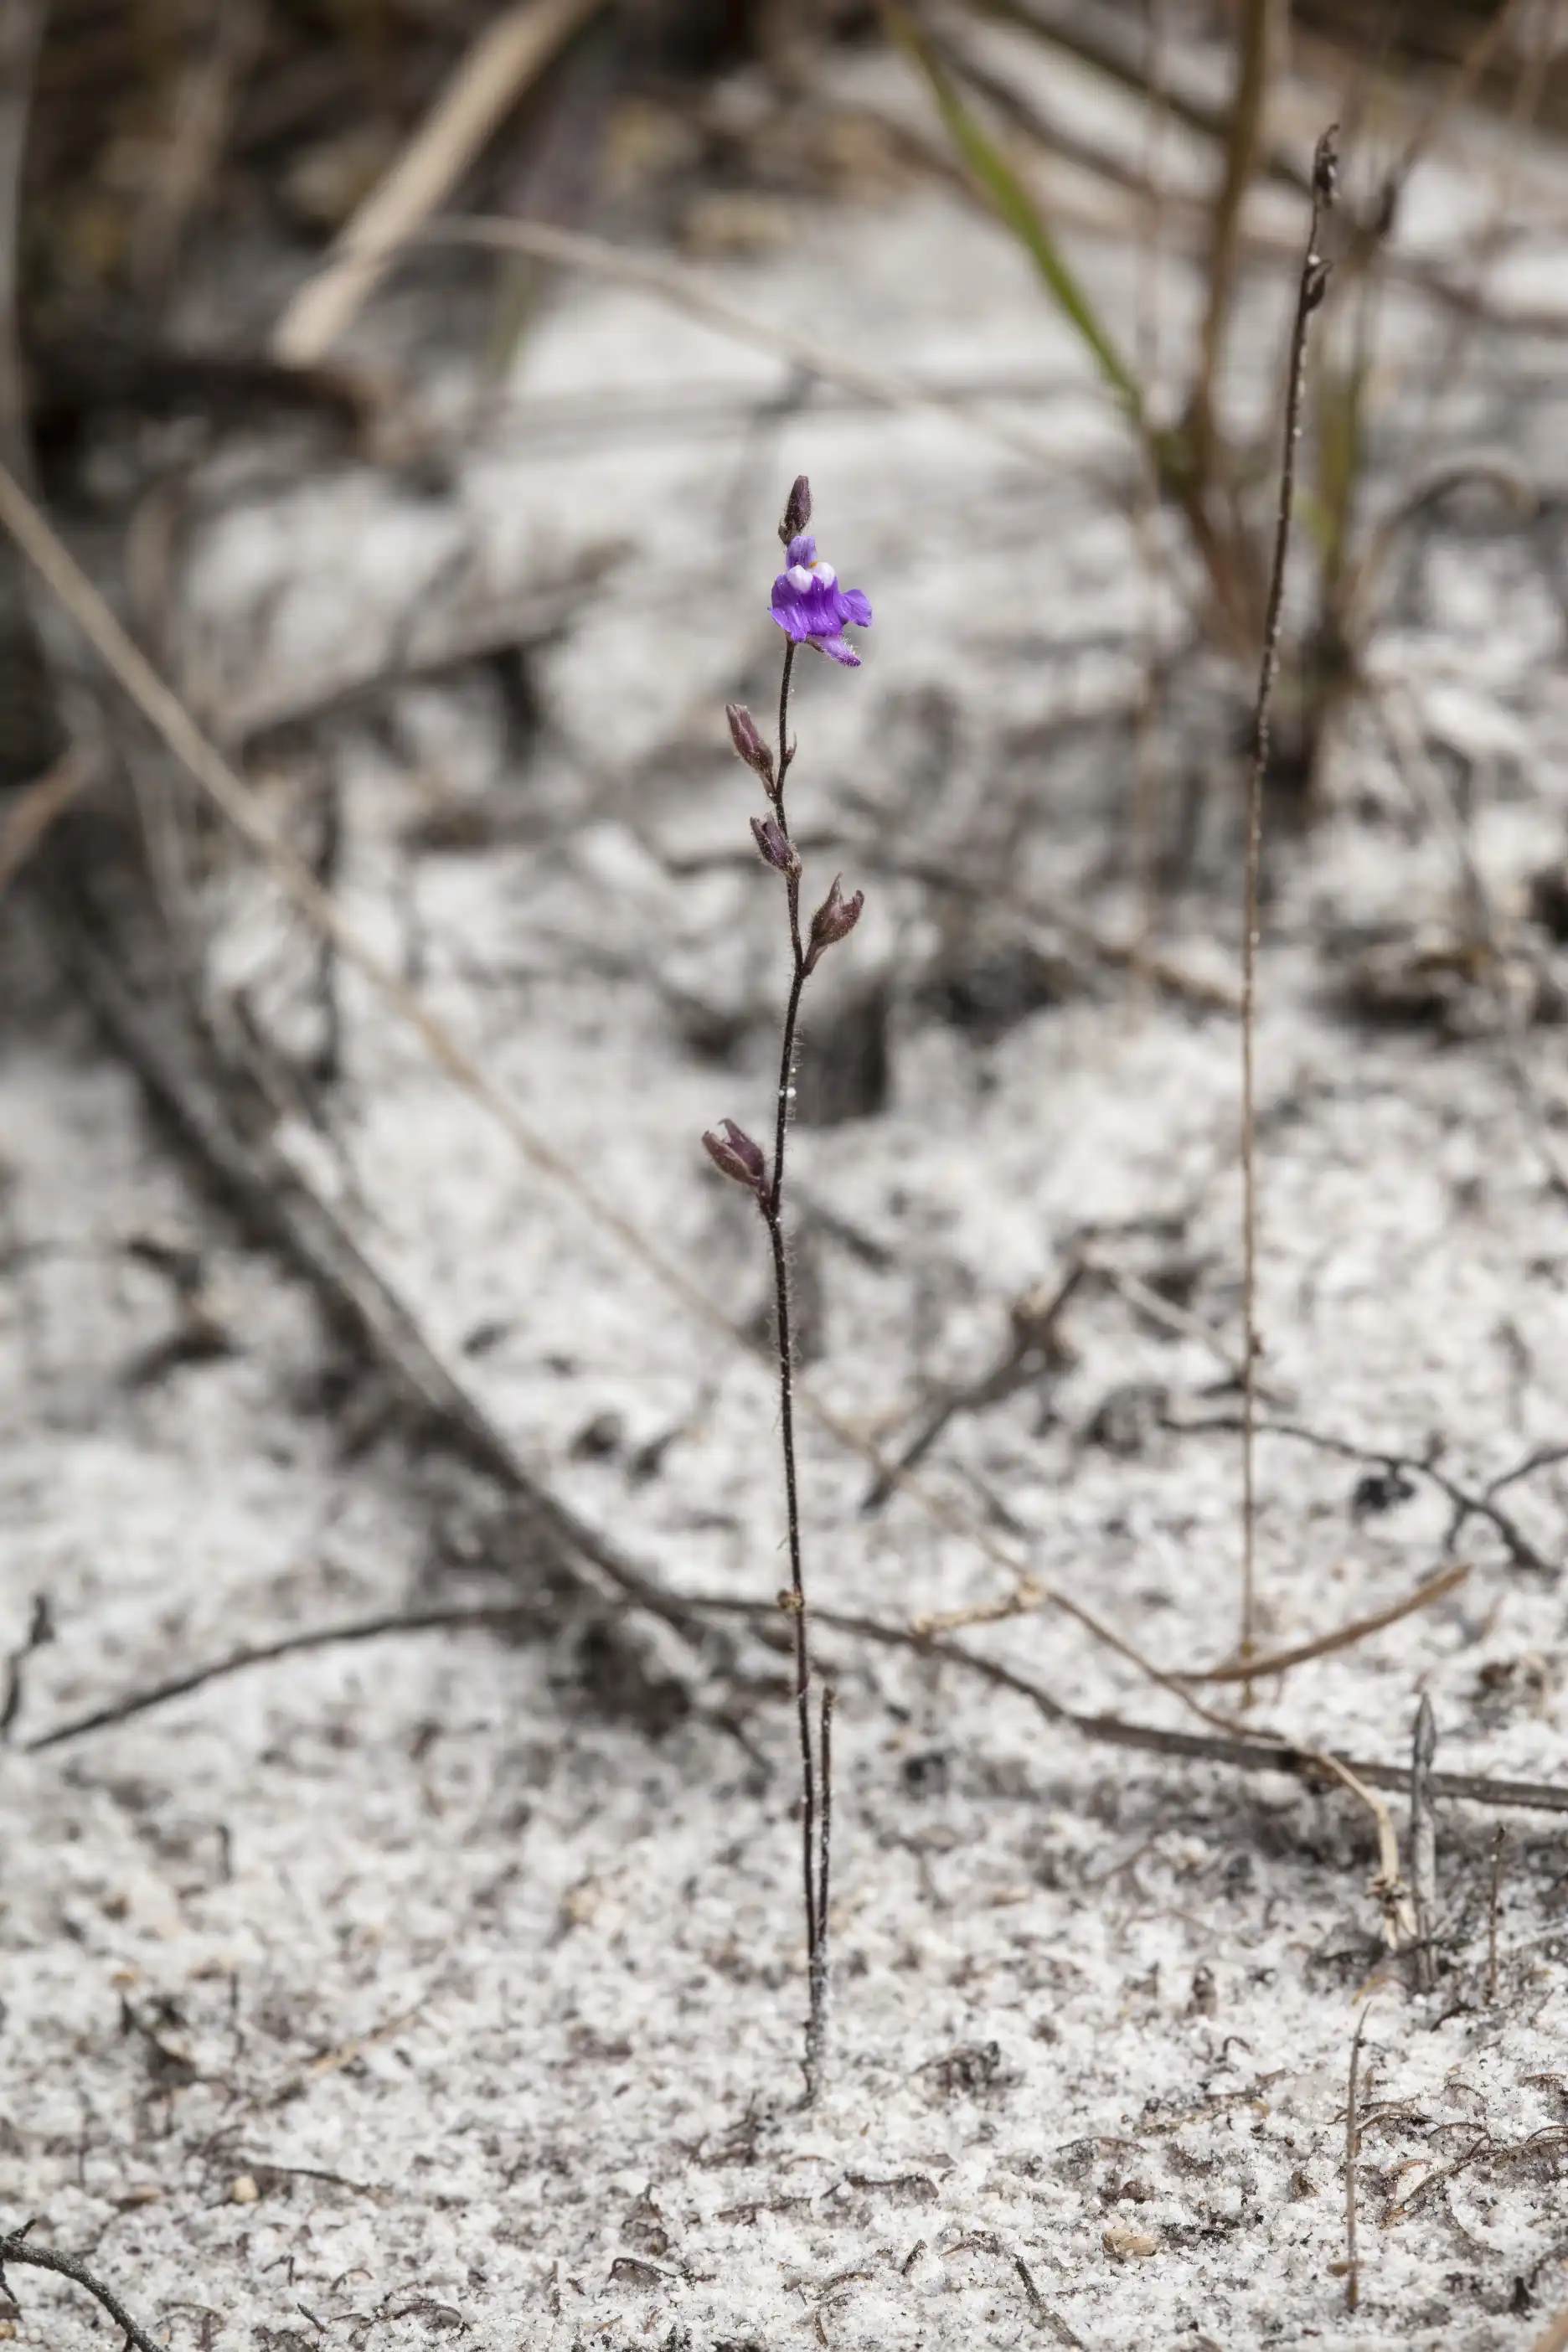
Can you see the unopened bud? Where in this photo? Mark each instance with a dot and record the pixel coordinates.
(736, 1156)
(776, 847)
(834, 920)
(1315, 285)
(748, 743)
(797, 511)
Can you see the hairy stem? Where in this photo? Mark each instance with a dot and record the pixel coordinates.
(813, 1884)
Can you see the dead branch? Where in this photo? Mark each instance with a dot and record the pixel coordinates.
(287, 1645)
(39, 1634)
(1032, 1348)
(1466, 1502)
(18, 2248)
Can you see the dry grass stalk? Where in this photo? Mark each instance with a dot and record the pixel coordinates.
(1027, 1596)
(1310, 293)
(1344, 1637)
(1388, 1887)
(503, 61)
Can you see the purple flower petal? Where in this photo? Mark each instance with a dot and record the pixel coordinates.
(811, 607)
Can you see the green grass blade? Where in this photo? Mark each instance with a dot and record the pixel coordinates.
(1005, 191)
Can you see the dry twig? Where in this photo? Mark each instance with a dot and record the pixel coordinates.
(1344, 1637)
(287, 1645)
(17, 2247)
(1467, 1503)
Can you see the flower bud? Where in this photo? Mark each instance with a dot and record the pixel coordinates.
(834, 920)
(1326, 166)
(736, 1156)
(797, 511)
(776, 847)
(748, 743)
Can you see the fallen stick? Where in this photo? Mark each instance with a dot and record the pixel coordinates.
(18, 2248)
(261, 1654)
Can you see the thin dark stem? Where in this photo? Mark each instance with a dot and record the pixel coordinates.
(816, 2025)
(1352, 2149)
(17, 2247)
(1309, 295)
(1467, 1504)
(772, 1211)
(787, 748)
(1423, 1843)
(1494, 1910)
(365, 1629)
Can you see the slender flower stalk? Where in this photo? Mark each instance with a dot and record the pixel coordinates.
(1310, 289)
(812, 610)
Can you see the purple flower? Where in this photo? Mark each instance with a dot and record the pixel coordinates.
(810, 607)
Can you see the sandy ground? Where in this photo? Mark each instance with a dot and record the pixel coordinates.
(410, 1989)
